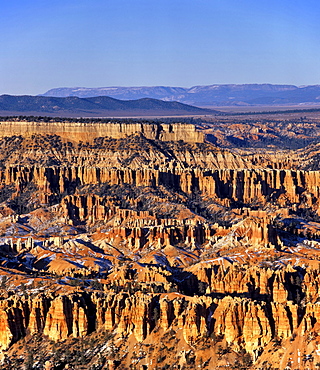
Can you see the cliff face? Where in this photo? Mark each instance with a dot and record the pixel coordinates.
(239, 320)
(78, 131)
(284, 187)
(242, 323)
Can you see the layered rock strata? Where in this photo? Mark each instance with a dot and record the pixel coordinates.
(80, 131)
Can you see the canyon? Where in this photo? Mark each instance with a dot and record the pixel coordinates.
(159, 245)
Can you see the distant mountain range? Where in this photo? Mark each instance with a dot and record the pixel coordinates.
(205, 96)
(102, 106)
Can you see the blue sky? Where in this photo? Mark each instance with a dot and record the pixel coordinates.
(96, 43)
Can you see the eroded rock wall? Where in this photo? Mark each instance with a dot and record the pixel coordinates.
(245, 186)
(244, 323)
(80, 131)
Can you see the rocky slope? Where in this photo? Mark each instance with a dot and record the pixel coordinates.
(148, 247)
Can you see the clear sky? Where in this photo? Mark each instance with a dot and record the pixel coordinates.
(98, 43)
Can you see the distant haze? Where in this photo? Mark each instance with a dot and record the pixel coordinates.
(102, 106)
(205, 96)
